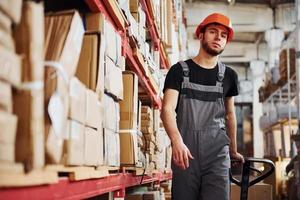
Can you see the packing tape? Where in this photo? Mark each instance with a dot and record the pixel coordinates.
(60, 69)
(128, 131)
(36, 85)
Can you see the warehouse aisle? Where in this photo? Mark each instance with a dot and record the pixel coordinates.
(85, 89)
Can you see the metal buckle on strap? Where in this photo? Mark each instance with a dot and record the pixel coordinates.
(186, 73)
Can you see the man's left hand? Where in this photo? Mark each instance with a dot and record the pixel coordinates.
(237, 156)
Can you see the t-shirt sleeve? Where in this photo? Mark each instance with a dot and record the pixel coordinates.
(174, 78)
(234, 86)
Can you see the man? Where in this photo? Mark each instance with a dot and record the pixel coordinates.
(203, 132)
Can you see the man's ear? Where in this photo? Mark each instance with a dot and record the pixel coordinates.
(200, 36)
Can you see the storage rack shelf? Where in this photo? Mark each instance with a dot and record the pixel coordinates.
(283, 94)
(66, 189)
(106, 7)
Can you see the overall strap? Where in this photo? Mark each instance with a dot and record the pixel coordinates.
(221, 73)
(186, 71)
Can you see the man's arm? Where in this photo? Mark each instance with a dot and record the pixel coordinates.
(180, 152)
(231, 128)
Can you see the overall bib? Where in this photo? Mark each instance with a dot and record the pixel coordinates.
(201, 122)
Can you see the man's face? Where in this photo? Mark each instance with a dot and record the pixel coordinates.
(214, 39)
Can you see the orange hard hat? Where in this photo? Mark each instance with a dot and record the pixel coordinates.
(219, 19)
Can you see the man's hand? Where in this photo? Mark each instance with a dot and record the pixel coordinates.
(238, 157)
(181, 154)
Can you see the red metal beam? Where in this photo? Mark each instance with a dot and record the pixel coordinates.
(66, 189)
(143, 80)
(154, 34)
(104, 6)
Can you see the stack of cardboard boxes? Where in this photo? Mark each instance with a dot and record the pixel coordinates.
(62, 90)
(28, 97)
(112, 63)
(166, 187)
(149, 139)
(65, 97)
(10, 76)
(129, 121)
(68, 98)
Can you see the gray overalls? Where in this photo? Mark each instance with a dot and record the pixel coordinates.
(201, 122)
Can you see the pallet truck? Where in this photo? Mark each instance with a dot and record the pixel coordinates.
(245, 181)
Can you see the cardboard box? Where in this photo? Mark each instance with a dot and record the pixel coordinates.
(93, 147)
(5, 97)
(156, 120)
(146, 116)
(128, 147)
(150, 137)
(113, 79)
(94, 110)
(139, 115)
(111, 148)
(113, 43)
(111, 114)
(12, 8)
(129, 107)
(8, 124)
(5, 23)
(57, 109)
(140, 17)
(77, 101)
(152, 195)
(95, 22)
(137, 196)
(54, 143)
(258, 191)
(146, 109)
(7, 41)
(134, 5)
(114, 6)
(133, 29)
(168, 157)
(10, 67)
(147, 130)
(89, 65)
(161, 159)
(29, 39)
(63, 39)
(147, 123)
(122, 63)
(29, 108)
(74, 145)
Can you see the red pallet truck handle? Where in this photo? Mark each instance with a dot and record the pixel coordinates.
(245, 183)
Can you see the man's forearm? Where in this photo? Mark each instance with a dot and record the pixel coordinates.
(231, 129)
(169, 121)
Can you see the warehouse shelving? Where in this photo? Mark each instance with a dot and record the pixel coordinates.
(66, 189)
(118, 182)
(120, 23)
(154, 32)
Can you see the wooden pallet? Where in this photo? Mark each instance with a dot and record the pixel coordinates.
(137, 171)
(110, 169)
(13, 175)
(79, 172)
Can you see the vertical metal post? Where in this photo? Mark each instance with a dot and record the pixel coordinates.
(297, 6)
(289, 101)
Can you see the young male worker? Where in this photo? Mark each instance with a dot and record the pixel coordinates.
(203, 132)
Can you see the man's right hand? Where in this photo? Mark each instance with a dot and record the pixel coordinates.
(181, 154)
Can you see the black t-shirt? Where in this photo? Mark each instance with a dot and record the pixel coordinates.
(202, 76)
